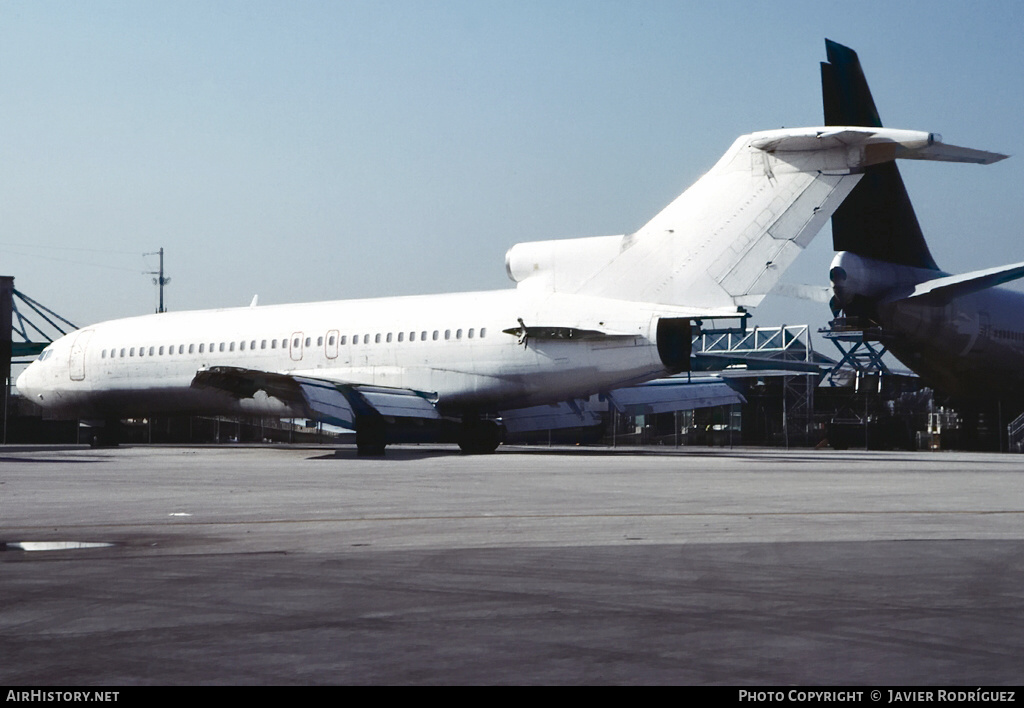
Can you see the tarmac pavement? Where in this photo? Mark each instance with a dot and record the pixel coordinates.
(296, 565)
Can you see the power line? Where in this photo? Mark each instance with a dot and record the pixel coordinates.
(75, 262)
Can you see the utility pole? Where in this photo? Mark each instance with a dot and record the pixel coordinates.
(160, 279)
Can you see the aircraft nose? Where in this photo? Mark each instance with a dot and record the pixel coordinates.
(25, 381)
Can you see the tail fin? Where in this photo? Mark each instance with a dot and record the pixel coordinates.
(877, 219)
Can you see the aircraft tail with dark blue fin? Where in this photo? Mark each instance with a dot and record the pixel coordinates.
(877, 219)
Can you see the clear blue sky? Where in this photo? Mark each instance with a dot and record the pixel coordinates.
(323, 150)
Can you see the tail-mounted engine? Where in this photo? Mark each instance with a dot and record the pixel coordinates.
(675, 343)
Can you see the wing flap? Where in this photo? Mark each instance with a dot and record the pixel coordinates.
(324, 399)
(326, 403)
(667, 395)
(395, 402)
(568, 414)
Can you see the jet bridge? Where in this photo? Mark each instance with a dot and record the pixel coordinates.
(784, 351)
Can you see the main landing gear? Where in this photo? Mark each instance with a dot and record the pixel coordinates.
(370, 437)
(479, 437)
(474, 436)
(108, 434)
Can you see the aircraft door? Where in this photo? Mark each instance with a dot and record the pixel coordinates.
(77, 359)
(984, 335)
(295, 346)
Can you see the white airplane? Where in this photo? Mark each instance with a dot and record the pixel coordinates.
(960, 333)
(587, 316)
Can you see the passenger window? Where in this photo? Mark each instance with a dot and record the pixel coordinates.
(241, 346)
(447, 334)
(436, 333)
(401, 336)
(295, 344)
(458, 334)
(252, 344)
(483, 332)
(131, 352)
(376, 338)
(263, 344)
(470, 333)
(161, 351)
(366, 339)
(222, 346)
(389, 337)
(192, 348)
(412, 336)
(308, 340)
(344, 337)
(330, 341)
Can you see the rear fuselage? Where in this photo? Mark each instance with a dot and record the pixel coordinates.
(970, 346)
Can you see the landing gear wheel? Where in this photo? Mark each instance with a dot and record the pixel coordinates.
(370, 438)
(479, 437)
(109, 435)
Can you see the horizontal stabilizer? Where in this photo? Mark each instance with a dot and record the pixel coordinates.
(880, 145)
(674, 394)
(799, 291)
(939, 291)
(950, 153)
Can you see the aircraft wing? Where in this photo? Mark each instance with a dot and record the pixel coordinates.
(721, 361)
(940, 291)
(660, 396)
(334, 402)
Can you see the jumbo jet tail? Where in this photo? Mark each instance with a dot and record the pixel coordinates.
(877, 219)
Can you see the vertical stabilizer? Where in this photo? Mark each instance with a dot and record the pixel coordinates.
(877, 219)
